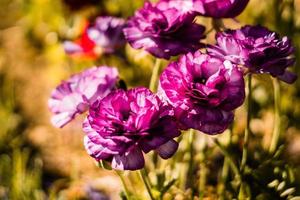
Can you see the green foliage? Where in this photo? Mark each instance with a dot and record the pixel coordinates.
(214, 172)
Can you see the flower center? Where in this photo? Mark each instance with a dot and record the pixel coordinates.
(200, 80)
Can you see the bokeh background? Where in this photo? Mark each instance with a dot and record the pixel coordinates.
(38, 161)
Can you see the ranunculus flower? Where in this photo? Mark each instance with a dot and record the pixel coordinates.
(211, 8)
(203, 90)
(164, 30)
(258, 49)
(75, 95)
(186, 6)
(124, 124)
(104, 36)
(222, 8)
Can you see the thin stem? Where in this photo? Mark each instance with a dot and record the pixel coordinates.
(152, 87)
(127, 193)
(277, 120)
(226, 164)
(203, 167)
(218, 24)
(155, 75)
(143, 176)
(233, 166)
(191, 138)
(247, 129)
(203, 179)
(225, 170)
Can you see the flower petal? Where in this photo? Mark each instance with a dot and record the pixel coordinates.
(131, 160)
(168, 149)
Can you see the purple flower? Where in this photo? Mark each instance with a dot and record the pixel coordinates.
(203, 91)
(258, 49)
(184, 7)
(75, 95)
(104, 36)
(212, 8)
(164, 30)
(126, 123)
(107, 33)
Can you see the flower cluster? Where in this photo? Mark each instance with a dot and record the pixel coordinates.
(198, 91)
(105, 35)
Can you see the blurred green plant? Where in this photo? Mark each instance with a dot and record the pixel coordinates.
(213, 173)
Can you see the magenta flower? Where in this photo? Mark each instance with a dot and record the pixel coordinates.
(104, 36)
(75, 95)
(203, 91)
(258, 49)
(164, 30)
(184, 7)
(211, 8)
(221, 8)
(124, 124)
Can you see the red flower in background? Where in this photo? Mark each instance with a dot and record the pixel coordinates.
(83, 46)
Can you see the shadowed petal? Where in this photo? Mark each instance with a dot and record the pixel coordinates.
(168, 149)
(132, 160)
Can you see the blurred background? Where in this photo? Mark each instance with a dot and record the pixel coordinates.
(38, 161)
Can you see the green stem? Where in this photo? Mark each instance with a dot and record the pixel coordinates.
(203, 168)
(218, 24)
(226, 165)
(247, 129)
(232, 164)
(203, 180)
(143, 176)
(225, 171)
(190, 181)
(277, 120)
(127, 193)
(155, 75)
(152, 87)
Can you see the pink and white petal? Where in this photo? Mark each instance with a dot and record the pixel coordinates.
(97, 151)
(59, 120)
(96, 138)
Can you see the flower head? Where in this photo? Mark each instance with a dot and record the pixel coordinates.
(104, 36)
(75, 95)
(126, 123)
(258, 49)
(222, 8)
(164, 30)
(211, 8)
(203, 91)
